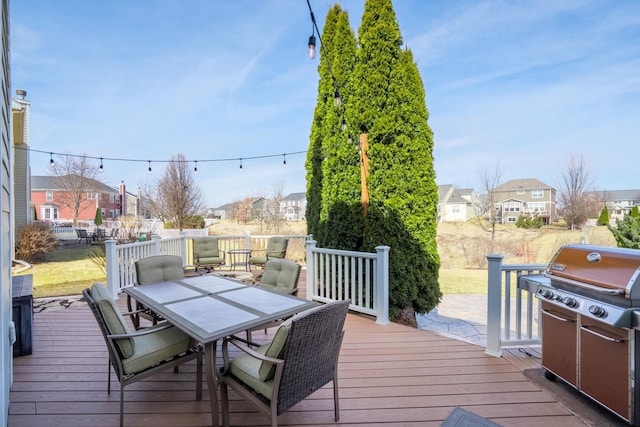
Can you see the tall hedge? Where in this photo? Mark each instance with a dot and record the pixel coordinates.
(384, 99)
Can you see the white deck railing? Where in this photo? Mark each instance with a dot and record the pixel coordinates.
(332, 274)
(513, 313)
(361, 277)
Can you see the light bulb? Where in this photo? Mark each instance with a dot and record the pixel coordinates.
(312, 46)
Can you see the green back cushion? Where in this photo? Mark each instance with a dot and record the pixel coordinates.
(112, 317)
(206, 247)
(275, 349)
(161, 268)
(280, 274)
(277, 244)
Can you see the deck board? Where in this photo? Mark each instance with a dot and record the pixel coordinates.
(388, 375)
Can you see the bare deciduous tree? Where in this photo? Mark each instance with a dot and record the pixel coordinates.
(486, 210)
(574, 203)
(272, 219)
(75, 178)
(176, 195)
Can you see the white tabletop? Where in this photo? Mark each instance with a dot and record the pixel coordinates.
(211, 307)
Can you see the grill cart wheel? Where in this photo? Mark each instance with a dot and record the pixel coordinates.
(550, 376)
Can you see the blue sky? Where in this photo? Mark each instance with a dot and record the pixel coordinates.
(519, 84)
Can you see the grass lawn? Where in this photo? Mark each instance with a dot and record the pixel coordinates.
(64, 272)
(463, 281)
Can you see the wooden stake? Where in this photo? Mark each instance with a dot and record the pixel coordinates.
(364, 172)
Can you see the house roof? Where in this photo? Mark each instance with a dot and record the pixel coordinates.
(44, 183)
(522, 184)
(443, 191)
(615, 195)
(296, 196)
(457, 197)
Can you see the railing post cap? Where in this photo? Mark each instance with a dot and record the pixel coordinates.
(495, 256)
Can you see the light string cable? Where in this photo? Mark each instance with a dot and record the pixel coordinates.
(118, 159)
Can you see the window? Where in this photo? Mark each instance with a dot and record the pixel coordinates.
(537, 194)
(536, 206)
(49, 196)
(520, 192)
(512, 219)
(512, 207)
(49, 213)
(112, 214)
(92, 196)
(455, 209)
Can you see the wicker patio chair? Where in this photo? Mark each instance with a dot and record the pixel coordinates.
(153, 269)
(301, 358)
(206, 253)
(276, 248)
(137, 355)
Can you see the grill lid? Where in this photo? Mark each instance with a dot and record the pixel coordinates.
(604, 269)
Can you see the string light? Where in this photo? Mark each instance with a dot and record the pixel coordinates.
(344, 124)
(150, 172)
(121, 159)
(195, 168)
(284, 160)
(241, 164)
(101, 169)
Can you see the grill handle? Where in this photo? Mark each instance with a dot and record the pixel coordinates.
(598, 334)
(555, 316)
(588, 286)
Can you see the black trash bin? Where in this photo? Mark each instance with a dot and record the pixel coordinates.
(22, 299)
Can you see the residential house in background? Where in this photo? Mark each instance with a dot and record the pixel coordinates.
(22, 208)
(618, 202)
(527, 196)
(245, 210)
(456, 205)
(294, 207)
(50, 200)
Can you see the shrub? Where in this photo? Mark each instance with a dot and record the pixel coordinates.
(33, 240)
(526, 221)
(603, 219)
(191, 222)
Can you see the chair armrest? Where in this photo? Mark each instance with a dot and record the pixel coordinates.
(196, 257)
(272, 253)
(141, 332)
(239, 343)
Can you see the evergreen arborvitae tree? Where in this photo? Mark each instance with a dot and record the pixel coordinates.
(603, 219)
(384, 100)
(634, 212)
(391, 110)
(627, 232)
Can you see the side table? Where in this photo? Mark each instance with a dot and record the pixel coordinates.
(240, 257)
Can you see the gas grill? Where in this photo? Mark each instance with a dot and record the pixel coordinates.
(590, 302)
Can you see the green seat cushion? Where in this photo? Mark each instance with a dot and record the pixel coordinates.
(156, 347)
(258, 374)
(247, 369)
(259, 259)
(112, 317)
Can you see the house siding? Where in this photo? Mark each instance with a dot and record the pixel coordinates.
(6, 229)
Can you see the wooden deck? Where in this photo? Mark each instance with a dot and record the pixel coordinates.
(389, 375)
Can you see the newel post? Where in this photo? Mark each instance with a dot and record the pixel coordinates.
(494, 305)
(311, 269)
(184, 250)
(111, 258)
(382, 285)
(155, 247)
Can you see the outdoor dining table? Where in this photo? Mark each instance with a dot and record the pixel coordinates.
(211, 307)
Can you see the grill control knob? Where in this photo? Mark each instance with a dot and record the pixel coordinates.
(546, 293)
(569, 302)
(597, 311)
